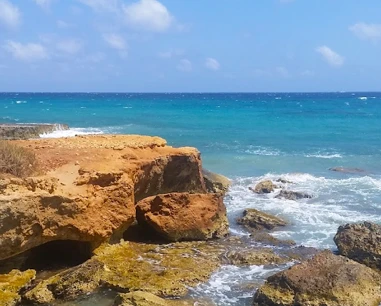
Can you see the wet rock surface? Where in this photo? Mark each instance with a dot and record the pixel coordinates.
(360, 242)
(293, 195)
(257, 220)
(348, 170)
(326, 279)
(215, 183)
(184, 216)
(26, 131)
(264, 187)
(12, 283)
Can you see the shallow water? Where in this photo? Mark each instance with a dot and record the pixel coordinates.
(247, 137)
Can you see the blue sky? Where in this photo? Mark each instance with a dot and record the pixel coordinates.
(190, 45)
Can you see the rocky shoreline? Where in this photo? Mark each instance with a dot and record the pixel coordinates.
(132, 214)
(26, 131)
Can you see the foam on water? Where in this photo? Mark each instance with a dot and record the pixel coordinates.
(232, 285)
(71, 132)
(313, 221)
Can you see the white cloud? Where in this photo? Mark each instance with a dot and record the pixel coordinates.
(95, 57)
(63, 25)
(43, 3)
(307, 73)
(171, 53)
(69, 46)
(26, 52)
(148, 15)
(333, 58)
(367, 31)
(185, 65)
(102, 5)
(115, 41)
(282, 72)
(212, 64)
(10, 15)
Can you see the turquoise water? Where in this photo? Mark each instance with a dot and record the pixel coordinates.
(247, 137)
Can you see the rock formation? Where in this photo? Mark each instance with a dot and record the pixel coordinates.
(360, 242)
(257, 220)
(26, 131)
(11, 284)
(326, 279)
(88, 188)
(184, 216)
(292, 195)
(215, 183)
(264, 187)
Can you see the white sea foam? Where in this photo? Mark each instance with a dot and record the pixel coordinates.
(21, 102)
(263, 151)
(363, 98)
(313, 221)
(325, 156)
(230, 285)
(71, 132)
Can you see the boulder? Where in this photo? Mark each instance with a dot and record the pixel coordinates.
(293, 195)
(360, 242)
(88, 188)
(326, 279)
(215, 183)
(255, 219)
(264, 187)
(184, 216)
(11, 284)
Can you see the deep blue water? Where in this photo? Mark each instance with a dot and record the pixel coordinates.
(248, 137)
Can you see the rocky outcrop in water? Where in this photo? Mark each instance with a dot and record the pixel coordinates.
(292, 195)
(264, 187)
(360, 242)
(348, 170)
(326, 279)
(184, 216)
(88, 188)
(26, 131)
(257, 220)
(215, 183)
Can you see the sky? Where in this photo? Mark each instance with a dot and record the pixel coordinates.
(190, 45)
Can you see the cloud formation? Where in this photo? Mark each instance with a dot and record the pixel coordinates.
(212, 64)
(115, 41)
(70, 46)
(330, 56)
(148, 15)
(10, 15)
(26, 52)
(43, 3)
(185, 65)
(366, 31)
(102, 5)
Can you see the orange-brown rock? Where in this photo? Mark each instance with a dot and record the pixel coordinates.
(184, 216)
(88, 186)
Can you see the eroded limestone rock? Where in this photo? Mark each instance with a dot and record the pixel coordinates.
(360, 242)
(255, 219)
(12, 283)
(184, 216)
(215, 183)
(326, 279)
(264, 187)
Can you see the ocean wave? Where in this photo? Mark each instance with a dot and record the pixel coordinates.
(313, 222)
(21, 102)
(263, 151)
(325, 156)
(363, 98)
(72, 132)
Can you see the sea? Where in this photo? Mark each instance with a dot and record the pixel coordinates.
(248, 137)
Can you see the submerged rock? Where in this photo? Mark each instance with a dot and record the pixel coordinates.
(347, 170)
(283, 181)
(264, 187)
(12, 283)
(255, 257)
(184, 216)
(268, 239)
(255, 219)
(326, 279)
(293, 195)
(360, 242)
(215, 183)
